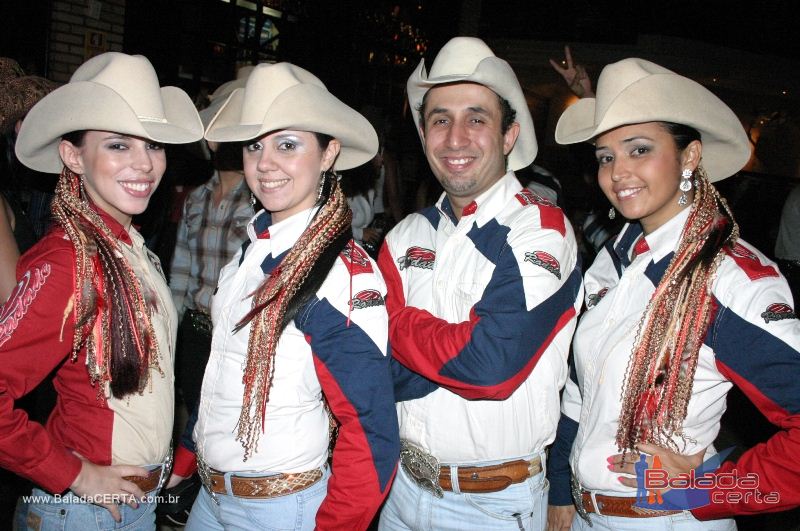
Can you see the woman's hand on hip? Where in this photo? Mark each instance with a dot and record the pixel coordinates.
(107, 487)
(656, 457)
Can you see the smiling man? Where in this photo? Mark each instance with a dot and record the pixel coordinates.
(483, 291)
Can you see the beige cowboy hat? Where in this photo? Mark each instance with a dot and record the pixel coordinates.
(285, 96)
(220, 95)
(635, 91)
(109, 92)
(19, 92)
(467, 59)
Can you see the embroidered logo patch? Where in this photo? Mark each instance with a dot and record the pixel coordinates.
(356, 260)
(545, 260)
(366, 299)
(778, 312)
(528, 197)
(20, 300)
(417, 257)
(595, 298)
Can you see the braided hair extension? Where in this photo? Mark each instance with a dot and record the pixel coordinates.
(122, 347)
(660, 371)
(282, 294)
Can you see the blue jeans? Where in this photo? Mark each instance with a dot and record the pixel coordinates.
(293, 512)
(46, 512)
(678, 522)
(521, 506)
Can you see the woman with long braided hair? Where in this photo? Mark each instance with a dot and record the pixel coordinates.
(678, 310)
(92, 305)
(299, 343)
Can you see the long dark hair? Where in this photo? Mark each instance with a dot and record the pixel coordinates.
(106, 289)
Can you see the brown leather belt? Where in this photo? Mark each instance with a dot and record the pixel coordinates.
(620, 506)
(263, 486)
(147, 483)
(490, 478)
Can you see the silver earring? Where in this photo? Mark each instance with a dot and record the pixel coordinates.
(612, 213)
(685, 186)
(321, 185)
(252, 200)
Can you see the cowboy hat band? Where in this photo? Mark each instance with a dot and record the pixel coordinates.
(284, 96)
(635, 91)
(109, 92)
(470, 60)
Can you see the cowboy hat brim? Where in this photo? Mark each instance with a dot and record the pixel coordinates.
(85, 105)
(302, 107)
(665, 97)
(497, 75)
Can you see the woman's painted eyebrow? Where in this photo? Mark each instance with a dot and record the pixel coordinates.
(626, 141)
(285, 136)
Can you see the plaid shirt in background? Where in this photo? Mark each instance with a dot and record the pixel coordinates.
(208, 237)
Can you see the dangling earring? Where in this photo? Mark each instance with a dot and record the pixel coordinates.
(252, 200)
(322, 176)
(612, 213)
(685, 186)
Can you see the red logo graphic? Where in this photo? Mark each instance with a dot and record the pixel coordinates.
(595, 298)
(21, 298)
(545, 260)
(528, 197)
(356, 259)
(778, 312)
(743, 252)
(417, 257)
(366, 299)
(749, 263)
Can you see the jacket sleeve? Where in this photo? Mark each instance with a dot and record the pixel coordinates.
(408, 385)
(36, 331)
(353, 369)
(181, 266)
(532, 297)
(756, 340)
(559, 472)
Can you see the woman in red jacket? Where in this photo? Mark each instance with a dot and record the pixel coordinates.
(91, 303)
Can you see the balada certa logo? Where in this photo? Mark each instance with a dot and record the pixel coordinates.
(701, 486)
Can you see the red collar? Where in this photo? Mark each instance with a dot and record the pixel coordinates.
(114, 226)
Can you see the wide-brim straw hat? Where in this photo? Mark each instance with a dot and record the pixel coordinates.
(220, 95)
(467, 59)
(285, 96)
(109, 92)
(19, 92)
(635, 91)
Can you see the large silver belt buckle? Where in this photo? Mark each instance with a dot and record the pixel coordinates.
(166, 469)
(204, 471)
(577, 497)
(422, 467)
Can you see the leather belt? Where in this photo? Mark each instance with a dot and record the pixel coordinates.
(619, 506)
(490, 478)
(263, 487)
(425, 470)
(149, 482)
